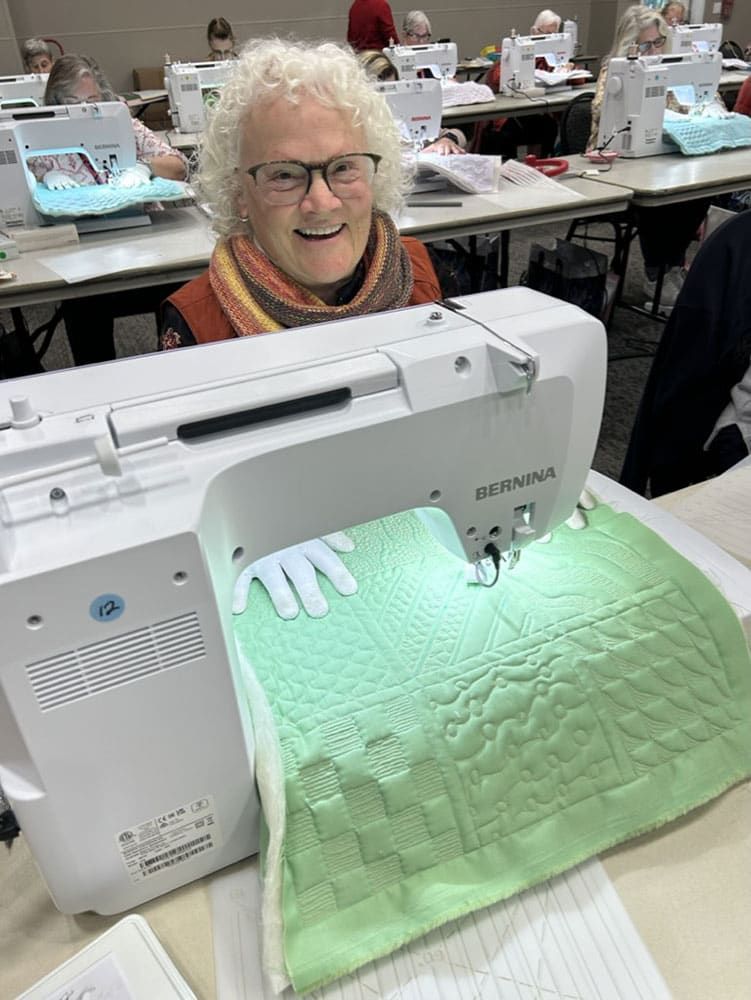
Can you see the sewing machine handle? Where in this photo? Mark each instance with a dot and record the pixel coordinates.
(550, 166)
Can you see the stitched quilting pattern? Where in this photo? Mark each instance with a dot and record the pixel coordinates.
(446, 745)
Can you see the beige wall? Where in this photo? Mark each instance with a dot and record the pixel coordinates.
(138, 33)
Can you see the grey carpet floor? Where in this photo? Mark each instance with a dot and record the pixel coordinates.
(630, 339)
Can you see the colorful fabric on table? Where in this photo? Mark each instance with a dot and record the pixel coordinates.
(439, 746)
(257, 296)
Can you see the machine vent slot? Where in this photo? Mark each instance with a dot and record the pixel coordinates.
(88, 670)
(8, 158)
(656, 91)
(188, 86)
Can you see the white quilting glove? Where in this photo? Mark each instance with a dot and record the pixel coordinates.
(58, 180)
(132, 176)
(578, 520)
(296, 566)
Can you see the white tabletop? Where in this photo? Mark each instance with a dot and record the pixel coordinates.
(178, 244)
(673, 177)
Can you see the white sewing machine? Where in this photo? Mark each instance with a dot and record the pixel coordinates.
(100, 132)
(685, 38)
(416, 105)
(191, 88)
(133, 494)
(519, 54)
(25, 91)
(440, 59)
(634, 105)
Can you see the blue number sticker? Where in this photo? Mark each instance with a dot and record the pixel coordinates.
(107, 607)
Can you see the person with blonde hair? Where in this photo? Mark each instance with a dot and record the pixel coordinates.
(665, 231)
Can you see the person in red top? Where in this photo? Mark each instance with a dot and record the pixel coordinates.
(371, 25)
(743, 101)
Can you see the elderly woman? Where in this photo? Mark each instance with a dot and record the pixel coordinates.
(547, 22)
(78, 80)
(300, 167)
(416, 28)
(666, 231)
(221, 40)
(37, 56)
(674, 13)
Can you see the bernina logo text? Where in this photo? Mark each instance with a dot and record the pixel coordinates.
(515, 483)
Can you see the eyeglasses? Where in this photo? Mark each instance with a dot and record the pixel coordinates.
(420, 36)
(287, 182)
(654, 43)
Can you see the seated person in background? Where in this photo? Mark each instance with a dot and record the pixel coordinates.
(666, 231)
(78, 80)
(694, 419)
(743, 101)
(37, 56)
(301, 202)
(371, 25)
(416, 28)
(547, 22)
(674, 13)
(221, 40)
(89, 321)
(378, 66)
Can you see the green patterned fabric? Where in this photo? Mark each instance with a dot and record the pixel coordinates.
(446, 745)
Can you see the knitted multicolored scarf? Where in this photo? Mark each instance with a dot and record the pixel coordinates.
(257, 297)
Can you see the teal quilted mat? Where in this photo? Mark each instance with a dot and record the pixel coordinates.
(103, 199)
(445, 745)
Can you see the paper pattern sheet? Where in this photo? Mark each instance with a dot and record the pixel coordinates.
(569, 938)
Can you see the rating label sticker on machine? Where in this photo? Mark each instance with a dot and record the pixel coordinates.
(170, 839)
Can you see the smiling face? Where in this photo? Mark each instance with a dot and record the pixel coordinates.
(318, 242)
(40, 64)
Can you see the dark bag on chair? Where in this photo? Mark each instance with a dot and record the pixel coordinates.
(570, 272)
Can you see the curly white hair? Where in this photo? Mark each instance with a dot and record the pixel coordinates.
(270, 68)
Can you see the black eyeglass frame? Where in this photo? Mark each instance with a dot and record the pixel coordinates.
(323, 168)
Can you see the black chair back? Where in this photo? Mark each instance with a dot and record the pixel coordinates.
(576, 125)
(731, 50)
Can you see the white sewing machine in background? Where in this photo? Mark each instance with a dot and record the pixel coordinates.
(416, 105)
(685, 38)
(633, 109)
(133, 494)
(440, 58)
(191, 88)
(25, 91)
(518, 57)
(102, 133)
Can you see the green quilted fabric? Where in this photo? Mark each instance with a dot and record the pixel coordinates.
(445, 745)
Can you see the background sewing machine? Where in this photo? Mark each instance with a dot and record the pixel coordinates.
(25, 91)
(685, 38)
(191, 89)
(131, 501)
(416, 105)
(633, 110)
(440, 59)
(518, 57)
(101, 133)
